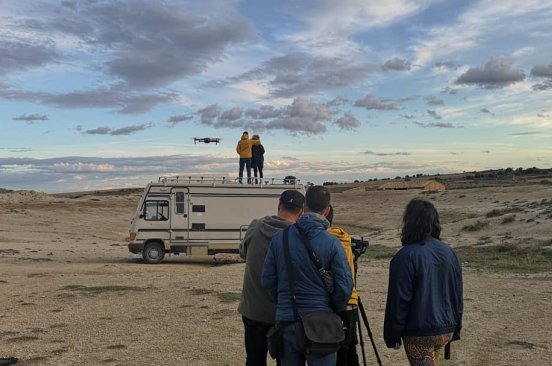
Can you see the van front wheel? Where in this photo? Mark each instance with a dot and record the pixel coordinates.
(153, 253)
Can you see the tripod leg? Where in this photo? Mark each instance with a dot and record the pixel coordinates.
(370, 335)
(361, 341)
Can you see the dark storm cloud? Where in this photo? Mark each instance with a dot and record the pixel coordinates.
(373, 102)
(396, 64)
(31, 117)
(435, 101)
(435, 125)
(496, 73)
(18, 55)
(127, 130)
(400, 153)
(179, 118)
(348, 122)
(300, 73)
(433, 114)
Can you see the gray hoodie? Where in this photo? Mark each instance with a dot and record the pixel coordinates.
(255, 303)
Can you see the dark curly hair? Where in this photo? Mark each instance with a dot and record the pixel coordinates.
(420, 222)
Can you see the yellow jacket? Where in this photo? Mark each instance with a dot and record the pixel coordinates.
(345, 240)
(244, 146)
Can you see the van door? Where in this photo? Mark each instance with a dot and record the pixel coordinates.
(180, 232)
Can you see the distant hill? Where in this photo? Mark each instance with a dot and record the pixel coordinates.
(475, 179)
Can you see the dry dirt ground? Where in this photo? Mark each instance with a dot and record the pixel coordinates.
(72, 294)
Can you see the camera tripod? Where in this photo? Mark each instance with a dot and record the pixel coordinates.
(359, 247)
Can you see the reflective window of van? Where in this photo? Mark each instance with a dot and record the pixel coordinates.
(156, 210)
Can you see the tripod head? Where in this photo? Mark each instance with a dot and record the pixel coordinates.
(359, 246)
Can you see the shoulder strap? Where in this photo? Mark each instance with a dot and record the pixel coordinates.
(289, 270)
(307, 244)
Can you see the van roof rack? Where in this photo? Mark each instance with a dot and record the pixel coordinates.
(214, 180)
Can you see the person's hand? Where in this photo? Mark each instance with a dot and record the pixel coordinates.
(397, 346)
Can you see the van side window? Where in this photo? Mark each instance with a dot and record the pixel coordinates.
(180, 203)
(156, 210)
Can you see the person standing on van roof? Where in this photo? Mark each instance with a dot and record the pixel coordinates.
(257, 161)
(256, 307)
(347, 354)
(244, 150)
(310, 291)
(425, 294)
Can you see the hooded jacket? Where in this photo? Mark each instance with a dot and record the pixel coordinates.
(425, 295)
(310, 292)
(345, 240)
(255, 303)
(244, 146)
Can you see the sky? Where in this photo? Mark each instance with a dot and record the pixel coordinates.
(103, 94)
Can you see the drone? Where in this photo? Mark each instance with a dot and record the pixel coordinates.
(207, 140)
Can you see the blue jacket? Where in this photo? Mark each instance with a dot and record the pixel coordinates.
(425, 292)
(310, 292)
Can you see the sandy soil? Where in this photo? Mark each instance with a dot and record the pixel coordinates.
(71, 293)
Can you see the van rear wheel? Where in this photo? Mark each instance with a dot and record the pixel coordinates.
(153, 253)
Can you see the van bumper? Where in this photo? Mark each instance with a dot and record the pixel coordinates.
(135, 247)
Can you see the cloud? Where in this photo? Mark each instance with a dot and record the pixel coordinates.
(232, 114)
(119, 97)
(433, 114)
(30, 118)
(373, 102)
(179, 118)
(496, 73)
(526, 133)
(301, 73)
(396, 64)
(19, 55)
(542, 71)
(370, 152)
(264, 112)
(302, 116)
(16, 149)
(209, 113)
(127, 130)
(450, 90)
(145, 44)
(348, 122)
(450, 65)
(435, 125)
(408, 116)
(435, 101)
(485, 110)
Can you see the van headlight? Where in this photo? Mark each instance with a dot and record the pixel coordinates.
(132, 236)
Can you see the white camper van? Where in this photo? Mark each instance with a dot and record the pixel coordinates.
(200, 215)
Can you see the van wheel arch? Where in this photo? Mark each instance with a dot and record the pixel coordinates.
(154, 252)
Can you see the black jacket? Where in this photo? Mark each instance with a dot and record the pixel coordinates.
(258, 153)
(425, 295)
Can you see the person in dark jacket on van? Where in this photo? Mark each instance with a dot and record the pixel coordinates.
(310, 291)
(425, 295)
(256, 306)
(257, 160)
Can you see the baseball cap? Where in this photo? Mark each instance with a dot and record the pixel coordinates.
(293, 198)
